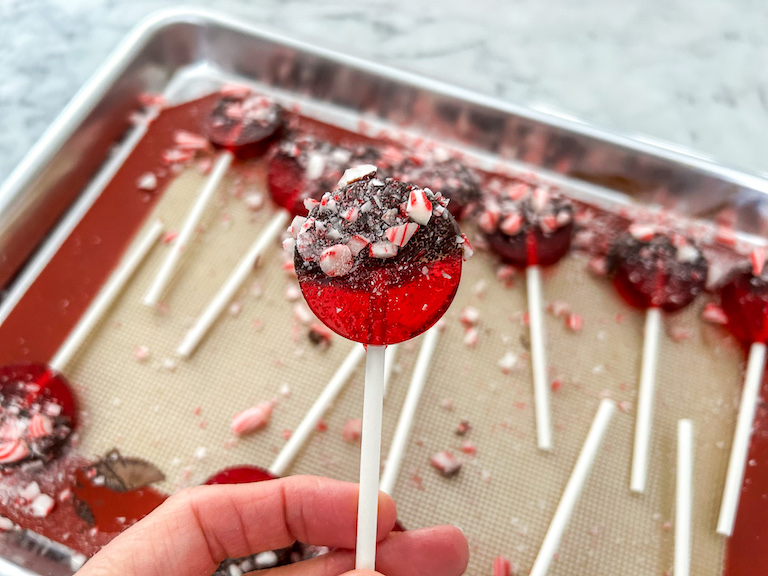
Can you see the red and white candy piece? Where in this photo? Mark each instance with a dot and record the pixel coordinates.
(399, 235)
(446, 463)
(13, 451)
(252, 419)
(39, 426)
(336, 260)
(419, 208)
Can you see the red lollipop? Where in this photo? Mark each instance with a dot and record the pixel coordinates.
(530, 227)
(744, 299)
(378, 262)
(303, 168)
(436, 169)
(653, 271)
(242, 125)
(38, 408)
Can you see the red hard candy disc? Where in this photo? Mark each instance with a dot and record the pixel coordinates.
(651, 269)
(528, 225)
(744, 299)
(244, 124)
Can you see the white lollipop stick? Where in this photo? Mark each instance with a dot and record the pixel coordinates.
(105, 298)
(403, 430)
(315, 413)
(645, 394)
(538, 358)
(370, 454)
(684, 498)
(573, 489)
(184, 238)
(389, 365)
(741, 436)
(232, 285)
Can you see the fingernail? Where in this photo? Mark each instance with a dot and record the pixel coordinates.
(460, 529)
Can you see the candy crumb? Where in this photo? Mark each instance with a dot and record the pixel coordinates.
(6, 524)
(469, 447)
(463, 427)
(507, 362)
(42, 505)
(502, 567)
(445, 463)
(574, 322)
(141, 353)
(147, 181)
(714, 314)
(252, 419)
(353, 430)
(558, 308)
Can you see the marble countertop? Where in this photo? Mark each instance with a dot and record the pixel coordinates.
(688, 73)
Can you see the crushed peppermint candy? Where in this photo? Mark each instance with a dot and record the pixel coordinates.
(370, 218)
(714, 314)
(252, 419)
(353, 430)
(574, 322)
(41, 506)
(507, 362)
(502, 567)
(469, 316)
(445, 463)
(147, 182)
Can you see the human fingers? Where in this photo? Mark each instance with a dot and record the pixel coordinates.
(194, 530)
(435, 551)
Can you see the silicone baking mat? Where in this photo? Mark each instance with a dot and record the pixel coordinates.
(177, 413)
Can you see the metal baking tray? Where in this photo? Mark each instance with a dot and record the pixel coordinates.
(184, 53)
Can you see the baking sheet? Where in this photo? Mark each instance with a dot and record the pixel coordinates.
(177, 414)
(182, 54)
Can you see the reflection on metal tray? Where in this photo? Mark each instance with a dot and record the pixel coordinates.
(183, 54)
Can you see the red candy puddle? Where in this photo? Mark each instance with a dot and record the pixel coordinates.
(39, 325)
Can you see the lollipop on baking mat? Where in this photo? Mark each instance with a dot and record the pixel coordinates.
(378, 262)
(38, 409)
(531, 227)
(656, 272)
(241, 125)
(437, 169)
(744, 299)
(302, 168)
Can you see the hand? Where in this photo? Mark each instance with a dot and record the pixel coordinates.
(194, 530)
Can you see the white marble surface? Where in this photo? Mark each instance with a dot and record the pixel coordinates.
(689, 72)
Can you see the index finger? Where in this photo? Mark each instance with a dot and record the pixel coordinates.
(195, 530)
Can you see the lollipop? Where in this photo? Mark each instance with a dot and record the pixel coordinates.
(744, 299)
(379, 262)
(303, 168)
(38, 411)
(530, 227)
(242, 125)
(655, 272)
(437, 170)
